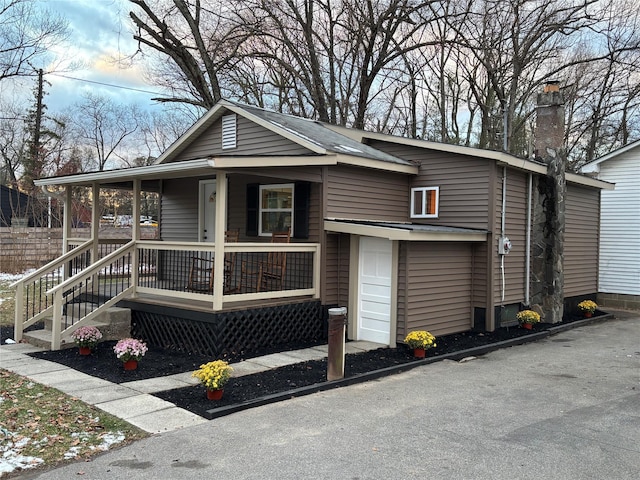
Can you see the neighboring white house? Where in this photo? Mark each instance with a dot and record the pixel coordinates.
(619, 269)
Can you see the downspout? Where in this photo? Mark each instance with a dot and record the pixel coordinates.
(528, 242)
(502, 232)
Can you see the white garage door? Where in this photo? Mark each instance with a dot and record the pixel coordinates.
(374, 290)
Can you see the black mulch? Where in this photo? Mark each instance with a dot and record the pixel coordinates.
(158, 362)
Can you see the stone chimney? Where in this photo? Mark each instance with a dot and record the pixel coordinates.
(549, 121)
(547, 272)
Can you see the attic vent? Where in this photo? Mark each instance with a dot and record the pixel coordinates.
(229, 131)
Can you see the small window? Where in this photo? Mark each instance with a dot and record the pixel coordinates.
(424, 202)
(229, 131)
(276, 208)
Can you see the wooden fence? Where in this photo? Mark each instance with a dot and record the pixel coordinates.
(22, 248)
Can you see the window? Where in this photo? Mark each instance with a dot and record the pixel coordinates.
(276, 208)
(424, 202)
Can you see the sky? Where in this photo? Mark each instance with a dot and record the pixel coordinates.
(99, 35)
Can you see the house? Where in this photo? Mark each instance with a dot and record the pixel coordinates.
(16, 208)
(619, 256)
(408, 234)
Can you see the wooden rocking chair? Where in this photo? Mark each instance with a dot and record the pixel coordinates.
(201, 272)
(269, 275)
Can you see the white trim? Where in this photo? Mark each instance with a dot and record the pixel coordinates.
(261, 233)
(424, 205)
(153, 172)
(392, 233)
(593, 166)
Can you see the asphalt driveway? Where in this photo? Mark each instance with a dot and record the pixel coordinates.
(567, 407)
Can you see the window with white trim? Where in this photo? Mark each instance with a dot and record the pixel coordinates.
(276, 208)
(425, 202)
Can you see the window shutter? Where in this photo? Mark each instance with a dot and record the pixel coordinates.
(301, 204)
(252, 209)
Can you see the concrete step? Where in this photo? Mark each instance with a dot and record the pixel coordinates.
(114, 324)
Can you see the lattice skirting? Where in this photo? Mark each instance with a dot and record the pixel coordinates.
(237, 331)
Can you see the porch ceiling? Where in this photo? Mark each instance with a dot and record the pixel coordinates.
(406, 231)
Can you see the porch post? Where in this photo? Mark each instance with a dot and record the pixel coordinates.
(95, 222)
(135, 233)
(66, 228)
(221, 226)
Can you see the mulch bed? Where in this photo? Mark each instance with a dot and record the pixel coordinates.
(160, 362)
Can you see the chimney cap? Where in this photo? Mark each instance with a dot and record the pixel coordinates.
(551, 86)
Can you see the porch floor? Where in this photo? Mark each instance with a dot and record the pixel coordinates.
(132, 401)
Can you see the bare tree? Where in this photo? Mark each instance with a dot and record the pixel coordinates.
(27, 32)
(104, 126)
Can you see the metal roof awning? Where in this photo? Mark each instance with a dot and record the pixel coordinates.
(410, 232)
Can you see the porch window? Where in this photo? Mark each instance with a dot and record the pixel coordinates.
(425, 202)
(276, 208)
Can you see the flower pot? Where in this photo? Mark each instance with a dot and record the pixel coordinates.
(130, 364)
(587, 314)
(84, 350)
(215, 394)
(527, 326)
(419, 352)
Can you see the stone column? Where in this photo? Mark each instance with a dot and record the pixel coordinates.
(547, 272)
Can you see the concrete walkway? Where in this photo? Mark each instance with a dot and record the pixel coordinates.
(132, 401)
(566, 407)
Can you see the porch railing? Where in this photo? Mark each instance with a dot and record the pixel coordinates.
(33, 303)
(76, 296)
(169, 268)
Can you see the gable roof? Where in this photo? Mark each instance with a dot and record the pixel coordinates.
(593, 167)
(310, 134)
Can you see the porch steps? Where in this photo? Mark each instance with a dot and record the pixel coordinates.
(114, 323)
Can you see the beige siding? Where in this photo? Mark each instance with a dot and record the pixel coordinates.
(581, 241)
(252, 139)
(516, 230)
(463, 182)
(363, 194)
(439, 287)
(179, 212)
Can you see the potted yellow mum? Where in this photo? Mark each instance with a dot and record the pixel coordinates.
(587, 307)
(420, 341)
(527, 318)
(214, 375)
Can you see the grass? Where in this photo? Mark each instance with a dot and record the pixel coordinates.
(42, 427)
(7, 302)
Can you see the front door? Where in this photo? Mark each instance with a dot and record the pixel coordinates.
(208, 211)
(374, 290)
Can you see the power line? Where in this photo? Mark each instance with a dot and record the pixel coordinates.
(104, 84)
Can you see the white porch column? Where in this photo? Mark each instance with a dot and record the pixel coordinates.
(95, 222)
(66, 219)
(221, 227)
(135, 233)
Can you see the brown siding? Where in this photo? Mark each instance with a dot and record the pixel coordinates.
(401, 320)
(516, 230)
(439, 287)
(363, 194)
(480, 275)
(179, 210)
(336, 268)
(253, 139)
(581, 241)
(238, 206)
(463, 182)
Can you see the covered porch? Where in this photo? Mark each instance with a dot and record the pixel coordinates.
(209, 277)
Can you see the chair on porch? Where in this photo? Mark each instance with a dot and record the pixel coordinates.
(201, 271)
(269, 274)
